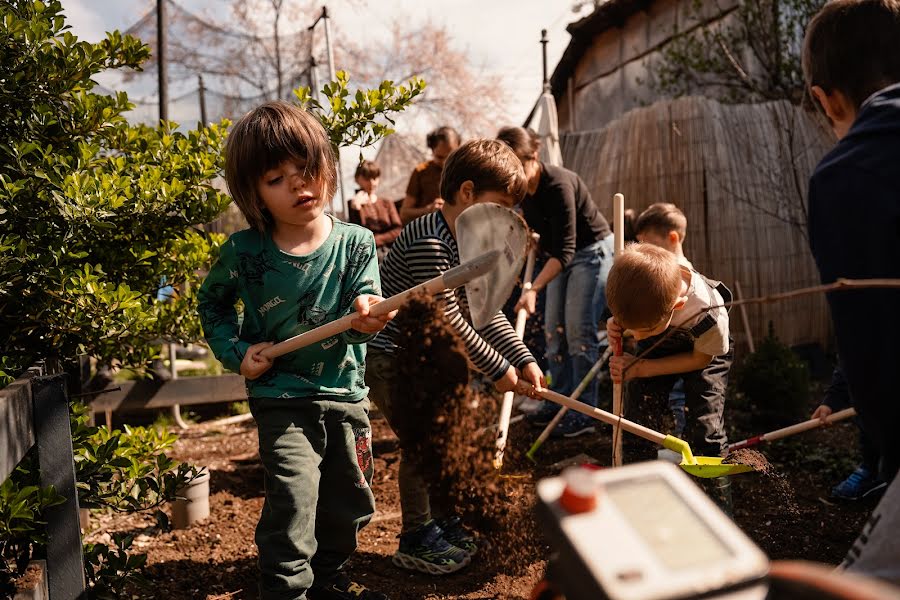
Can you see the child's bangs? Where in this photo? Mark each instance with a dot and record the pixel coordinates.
(290, 139)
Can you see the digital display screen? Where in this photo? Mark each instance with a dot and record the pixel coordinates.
(666, 523)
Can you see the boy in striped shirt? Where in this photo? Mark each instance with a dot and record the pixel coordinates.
(478, 171)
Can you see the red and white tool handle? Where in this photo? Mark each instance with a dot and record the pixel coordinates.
(792, 430)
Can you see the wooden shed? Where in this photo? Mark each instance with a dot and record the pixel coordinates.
(739, 172)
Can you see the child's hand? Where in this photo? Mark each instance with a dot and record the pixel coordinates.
(253, 364)
(614, 331)
(618, 366)
(507, 383)
(528, 301)
(822, 413)
(531, 381)
(366, 323)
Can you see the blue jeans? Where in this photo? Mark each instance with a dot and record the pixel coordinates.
(575, 300)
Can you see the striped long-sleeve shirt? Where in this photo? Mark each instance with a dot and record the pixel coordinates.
(424, 250)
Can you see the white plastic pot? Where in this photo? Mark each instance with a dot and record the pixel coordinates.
(195, 503)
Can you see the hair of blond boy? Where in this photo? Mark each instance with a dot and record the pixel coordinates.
(851, 46)
(490, 165)
(661, 218)
(368, 169)
(265, 137)
(643, 285)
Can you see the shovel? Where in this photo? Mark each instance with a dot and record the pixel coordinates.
(698, 466)
(791, 430)
(507, 405)
(492, 250)
(585, 382)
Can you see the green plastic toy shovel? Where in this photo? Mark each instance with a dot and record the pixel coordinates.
(698, 466)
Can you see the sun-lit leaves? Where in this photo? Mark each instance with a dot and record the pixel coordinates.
(94, 212)
(363, 118)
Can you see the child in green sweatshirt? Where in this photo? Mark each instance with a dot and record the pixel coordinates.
(294, 269)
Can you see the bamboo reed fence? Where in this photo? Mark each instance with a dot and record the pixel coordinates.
(739, 173)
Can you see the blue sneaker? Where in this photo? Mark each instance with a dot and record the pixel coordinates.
(573, 425)
(457, 535)
(544, 414)
(425, 549)
(858, 485)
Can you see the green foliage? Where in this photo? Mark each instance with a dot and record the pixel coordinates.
(774, 384)
(109, 569)
(93, 211)
(356, 121)
(239, 408)
(21, 518)
(751, 56)
(127, 471)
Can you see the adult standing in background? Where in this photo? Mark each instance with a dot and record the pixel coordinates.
(423, 193)
(579, 244)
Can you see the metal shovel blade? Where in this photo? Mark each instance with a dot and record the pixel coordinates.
(482, 228)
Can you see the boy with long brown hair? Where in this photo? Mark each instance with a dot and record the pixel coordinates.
(295, 268)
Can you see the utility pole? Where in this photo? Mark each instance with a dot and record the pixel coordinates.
(161, 60)
(331, 73)
(314, 77)
(328, 43)
(202, 93)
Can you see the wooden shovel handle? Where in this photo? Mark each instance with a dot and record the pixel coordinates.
(602, 415)
(793, 429)
(430, 287)
(810, 424)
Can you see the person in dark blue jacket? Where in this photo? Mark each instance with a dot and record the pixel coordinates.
(851, 61)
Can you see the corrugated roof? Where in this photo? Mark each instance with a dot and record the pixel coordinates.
(612, 13)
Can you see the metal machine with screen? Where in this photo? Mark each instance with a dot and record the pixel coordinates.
(645, 532)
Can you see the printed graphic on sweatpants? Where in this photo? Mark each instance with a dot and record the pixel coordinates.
(364, 455)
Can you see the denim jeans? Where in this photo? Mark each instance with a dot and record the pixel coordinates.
(575, 300)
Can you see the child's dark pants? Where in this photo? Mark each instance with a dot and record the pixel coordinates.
(318, 466)
(647, 399)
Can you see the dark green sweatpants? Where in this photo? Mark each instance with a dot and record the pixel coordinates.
(318, 466)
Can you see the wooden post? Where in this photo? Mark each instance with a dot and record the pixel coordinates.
(53, 438)
(747, 332)
(618, 400)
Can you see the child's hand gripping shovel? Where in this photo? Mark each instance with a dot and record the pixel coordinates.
(490, 248)
(792, 429)
(698, 466)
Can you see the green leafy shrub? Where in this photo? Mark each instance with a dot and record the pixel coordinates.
(774, 384)
(94, 212)
(21, 520)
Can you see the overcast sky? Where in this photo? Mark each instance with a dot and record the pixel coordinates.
(501, 35)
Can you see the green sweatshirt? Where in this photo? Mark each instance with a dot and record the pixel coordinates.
(285, 295)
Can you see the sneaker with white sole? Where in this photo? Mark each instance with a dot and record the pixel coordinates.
(858, 485)
(425, 549)
(457, 535)
(542, 416)
(573, 425)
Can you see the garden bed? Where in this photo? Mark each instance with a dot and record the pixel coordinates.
(216, 559)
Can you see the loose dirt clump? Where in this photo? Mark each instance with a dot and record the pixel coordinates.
(753, 459)
(440, 427)
(759, 463)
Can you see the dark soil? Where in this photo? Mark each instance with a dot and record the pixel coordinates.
(787, 512)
